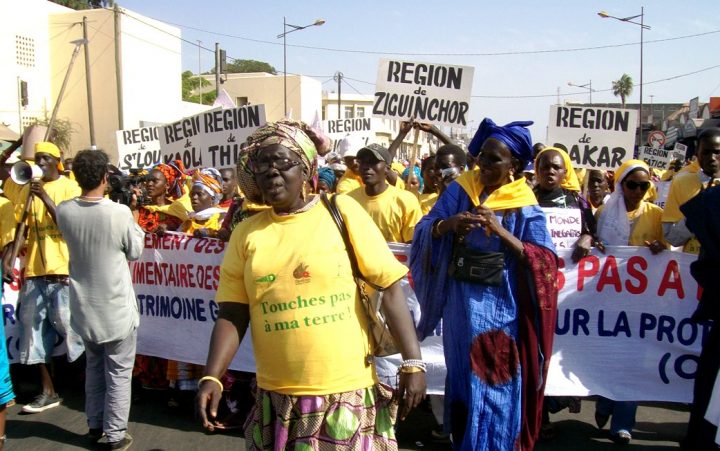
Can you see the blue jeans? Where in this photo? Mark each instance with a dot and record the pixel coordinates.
(44, 317)
(622, 412)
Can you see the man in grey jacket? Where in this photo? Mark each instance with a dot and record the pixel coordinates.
(101, 237)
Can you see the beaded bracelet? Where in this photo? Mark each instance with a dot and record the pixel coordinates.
(412, 366)
(211, 378)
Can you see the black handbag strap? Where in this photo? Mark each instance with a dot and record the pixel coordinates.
(331, 205)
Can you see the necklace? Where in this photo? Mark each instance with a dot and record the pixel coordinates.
(92, 198)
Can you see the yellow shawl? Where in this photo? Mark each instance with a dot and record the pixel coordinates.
(512, 195)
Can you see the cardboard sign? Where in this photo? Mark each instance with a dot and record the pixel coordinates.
(594, 137)
(138, 148)
(564, 225)
(660, 158)
(428, 92)
(212, 138)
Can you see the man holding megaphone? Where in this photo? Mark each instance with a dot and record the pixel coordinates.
(43, 311)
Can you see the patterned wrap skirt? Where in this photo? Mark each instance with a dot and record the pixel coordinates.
(362, 419)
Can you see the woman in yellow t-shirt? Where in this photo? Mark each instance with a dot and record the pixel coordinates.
(205, 195)
(626, 219)
(286, 274)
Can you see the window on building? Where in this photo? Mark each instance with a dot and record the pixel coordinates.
(24, 51)
(241, 101)
(360, 111)
(349, 112)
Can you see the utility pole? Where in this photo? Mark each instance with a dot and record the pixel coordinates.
(88, 86)
(338, 77)
(217, 70)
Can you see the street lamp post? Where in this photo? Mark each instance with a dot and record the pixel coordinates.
(285, 32)
(643, 27)
(587, 86)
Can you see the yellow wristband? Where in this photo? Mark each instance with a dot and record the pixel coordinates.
(411, 369)
(211, 378)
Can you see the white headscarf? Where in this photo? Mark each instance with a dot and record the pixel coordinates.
(613, 224)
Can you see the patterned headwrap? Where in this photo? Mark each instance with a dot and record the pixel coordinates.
(327, 175)
(297, 137)
(514, 135)
(174, 172)
(570, 182)
(210, 181)
(418, 175)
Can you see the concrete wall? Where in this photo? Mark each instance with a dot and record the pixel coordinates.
(25, 55)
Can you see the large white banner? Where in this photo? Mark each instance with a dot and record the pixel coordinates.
(211, 138)
(624, 328)
(138, 148)
(175, 281)
(594, 137)
(428, 92)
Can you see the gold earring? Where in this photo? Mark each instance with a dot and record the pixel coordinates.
(304, 190)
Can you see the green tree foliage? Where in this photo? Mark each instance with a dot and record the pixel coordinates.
(623, 87)
(190, 91)
(61, 133)
(245, 66)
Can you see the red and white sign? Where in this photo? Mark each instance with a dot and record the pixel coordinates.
(656, 139)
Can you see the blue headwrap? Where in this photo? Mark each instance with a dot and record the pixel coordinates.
(514, 135)
(418, 174)
(327, 175)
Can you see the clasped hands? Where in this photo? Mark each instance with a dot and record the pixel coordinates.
(465, 222)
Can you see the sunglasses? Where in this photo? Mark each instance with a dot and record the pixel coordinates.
(281, 164)
(632, 186)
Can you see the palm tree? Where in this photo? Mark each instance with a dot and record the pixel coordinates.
(623, 87)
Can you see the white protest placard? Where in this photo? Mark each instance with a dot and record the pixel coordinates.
(624, 329)
(680, 151)
(594, 137)
(663, 189)
(657, 158)
(429, 92)
(138, 148)
(211, 138)
(564, 225)
(339, 128)
(175, 281)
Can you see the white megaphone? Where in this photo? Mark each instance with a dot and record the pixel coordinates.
(23, 172)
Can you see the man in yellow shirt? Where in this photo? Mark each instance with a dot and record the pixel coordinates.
(395, 211)
(43, 311)
(686, 185)
(351, 179)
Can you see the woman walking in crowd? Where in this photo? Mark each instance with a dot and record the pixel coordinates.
(494, 336)
(205, 195)
(597, 188)
(326, 180)
(314, 391)
(627, 220)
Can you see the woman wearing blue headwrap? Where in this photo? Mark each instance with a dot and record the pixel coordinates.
(498, 323)
(326, 180)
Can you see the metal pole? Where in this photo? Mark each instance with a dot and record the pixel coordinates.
(217, 69)
(118, 68)
(339, 80)
(284, 66)
(62, 89)
(200, 71)
(642, 26)
(88, 85)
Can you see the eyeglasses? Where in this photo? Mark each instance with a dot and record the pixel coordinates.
(281, 164)
(632, 186)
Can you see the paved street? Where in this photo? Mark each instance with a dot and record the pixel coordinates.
(158, 427)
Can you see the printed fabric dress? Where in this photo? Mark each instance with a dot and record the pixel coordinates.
(497, 339)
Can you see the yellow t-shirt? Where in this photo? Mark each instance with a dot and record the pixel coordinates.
(647, 225)
(685, 185)
(394, 211)
(212, 224)
(41, 227)
(427, 201)
(348, 182)
(7, 222)
(307, 322)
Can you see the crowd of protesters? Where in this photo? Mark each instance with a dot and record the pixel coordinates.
(483, 206)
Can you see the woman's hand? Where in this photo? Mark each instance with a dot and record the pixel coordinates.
(201, 233)
(460, 224)
(161, 229)
(655, 247)
(410, 392)
(487, 218)
(582, 247)
(206, 403)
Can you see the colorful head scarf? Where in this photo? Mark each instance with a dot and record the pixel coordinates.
(514, 135)
(570, 182)
(52, 150)
(174, 172)
(327, 175)
(613, 223)
(418, 175)
(297, 137)
(210, 181)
